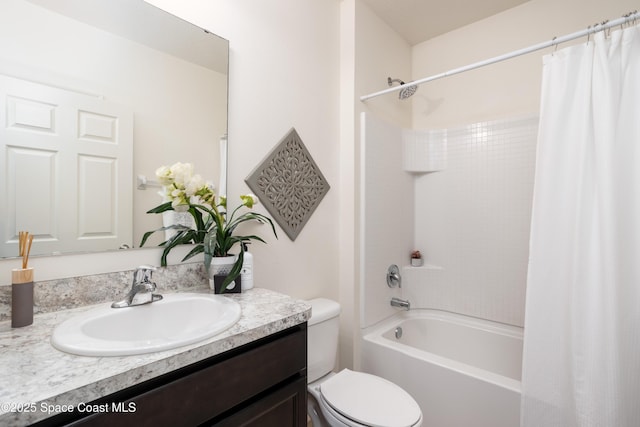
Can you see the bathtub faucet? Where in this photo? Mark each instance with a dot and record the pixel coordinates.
(401, 303)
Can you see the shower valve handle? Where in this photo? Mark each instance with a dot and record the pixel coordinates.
(393, 276)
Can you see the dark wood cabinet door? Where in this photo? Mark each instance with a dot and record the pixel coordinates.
(286, 407)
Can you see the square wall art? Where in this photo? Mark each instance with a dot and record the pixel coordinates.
(289, 184)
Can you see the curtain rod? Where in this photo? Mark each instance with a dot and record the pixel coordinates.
(553, 42)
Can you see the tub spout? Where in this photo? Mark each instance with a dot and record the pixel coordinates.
(401, 303)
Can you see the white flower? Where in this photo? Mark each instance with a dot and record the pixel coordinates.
(164, 175)
(195, 184)
(181, 173)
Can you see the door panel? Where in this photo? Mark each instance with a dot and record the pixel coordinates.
(64, 155)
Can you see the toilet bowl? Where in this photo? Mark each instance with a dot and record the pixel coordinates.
(349, 398)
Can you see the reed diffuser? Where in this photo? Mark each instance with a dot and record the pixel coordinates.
(22, 285)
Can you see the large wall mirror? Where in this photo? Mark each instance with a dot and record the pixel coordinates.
(95, 95)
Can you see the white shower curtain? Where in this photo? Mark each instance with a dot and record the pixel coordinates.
(581, 362)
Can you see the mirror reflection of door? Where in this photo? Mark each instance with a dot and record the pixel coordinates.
(171, 74)
(67, 156)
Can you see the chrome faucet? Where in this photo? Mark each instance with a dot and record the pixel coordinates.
(401, 303)
(142, 289)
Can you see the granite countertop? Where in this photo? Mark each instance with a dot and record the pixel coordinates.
(35, 375)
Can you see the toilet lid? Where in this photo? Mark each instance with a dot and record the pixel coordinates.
(370, 400)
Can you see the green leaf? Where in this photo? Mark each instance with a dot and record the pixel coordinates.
(184, 236)
(193, 252)
(146, 235)
(234, 273)
(162, 208)
(197, 216)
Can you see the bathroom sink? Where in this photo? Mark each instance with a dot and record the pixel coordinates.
(174, 321)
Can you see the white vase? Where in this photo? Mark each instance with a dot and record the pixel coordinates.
(221, 265)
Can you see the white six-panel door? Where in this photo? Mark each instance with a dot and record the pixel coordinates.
(66, 164)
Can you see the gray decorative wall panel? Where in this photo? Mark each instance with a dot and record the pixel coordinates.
(289, 184)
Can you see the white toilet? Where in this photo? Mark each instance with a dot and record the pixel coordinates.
(349, 398)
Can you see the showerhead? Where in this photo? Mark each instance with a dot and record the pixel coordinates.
(406, 91)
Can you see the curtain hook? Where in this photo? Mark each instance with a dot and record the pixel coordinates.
(592, 29)
(626, 21)
(607, 31)
(555, 45)
(632, 18)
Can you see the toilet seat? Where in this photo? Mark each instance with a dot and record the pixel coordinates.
(369, 400)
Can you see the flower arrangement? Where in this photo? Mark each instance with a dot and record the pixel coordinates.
(214, 227)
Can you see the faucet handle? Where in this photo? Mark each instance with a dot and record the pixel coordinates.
(143, 274)
(393, 276)
(142, 289)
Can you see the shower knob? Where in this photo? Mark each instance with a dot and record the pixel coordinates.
(393, 276)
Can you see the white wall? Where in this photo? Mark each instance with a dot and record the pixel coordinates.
(349, 251)
(376, 52)
(284, 72)
(380, 53)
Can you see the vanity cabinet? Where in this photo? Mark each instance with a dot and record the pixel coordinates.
(263, 383)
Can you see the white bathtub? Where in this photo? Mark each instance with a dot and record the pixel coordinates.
(462, 371)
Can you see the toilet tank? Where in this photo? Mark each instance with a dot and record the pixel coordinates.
(322, 337)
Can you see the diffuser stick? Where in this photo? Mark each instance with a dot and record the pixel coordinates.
(25, 240)
(25, 262)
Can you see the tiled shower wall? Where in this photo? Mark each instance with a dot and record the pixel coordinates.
(472, 223)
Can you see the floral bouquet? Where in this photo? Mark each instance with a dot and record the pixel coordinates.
(213, 230)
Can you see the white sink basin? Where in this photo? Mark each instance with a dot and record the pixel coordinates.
(176, 320)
